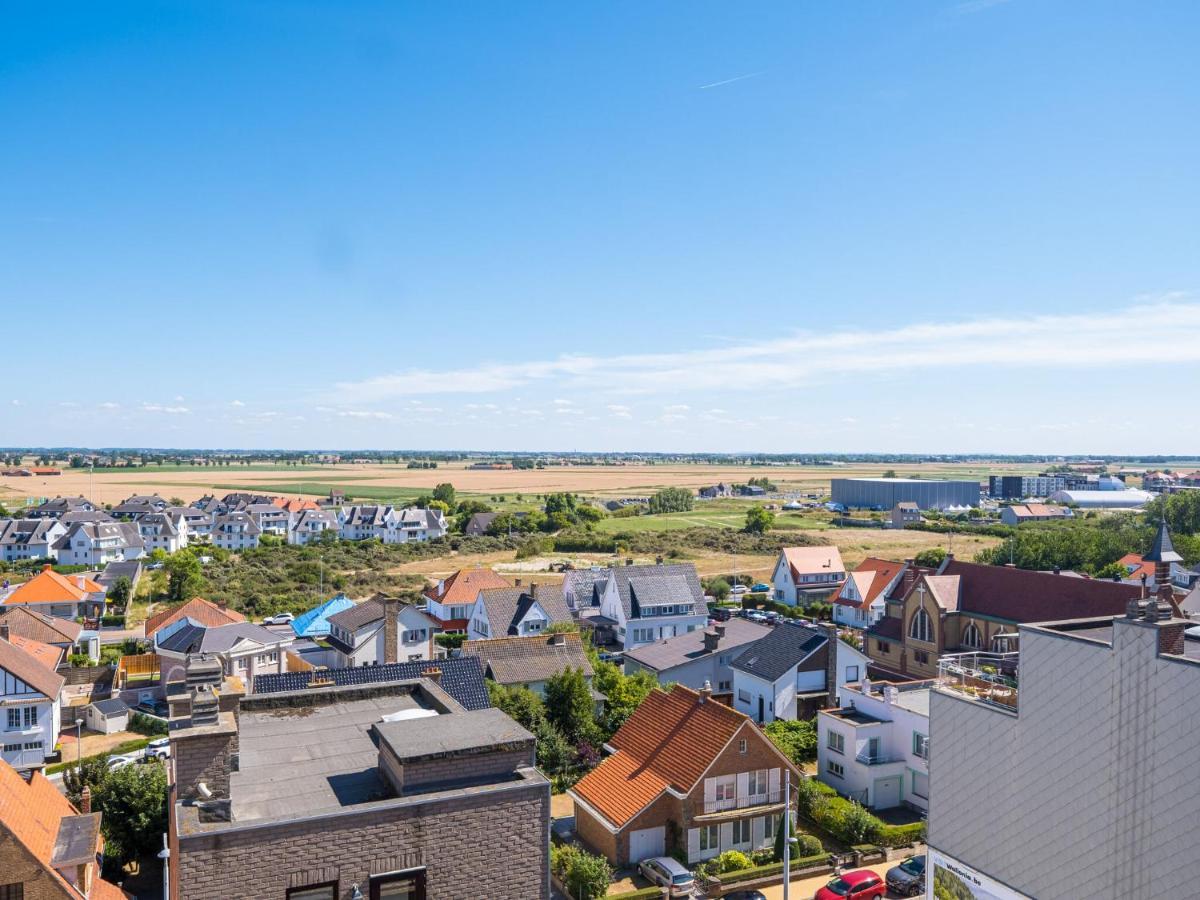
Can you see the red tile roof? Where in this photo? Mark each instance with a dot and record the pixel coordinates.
(47, 586)
(464, 586)
(30, 670)
(669, 741)
(870, 578)
(1136, 566)
(199, 610)
(1021, 595)
(46, 654)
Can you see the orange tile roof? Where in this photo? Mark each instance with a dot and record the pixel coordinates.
(47, 654)
(32, 813)
(47, 586)
(34, 672)
(813, 560)
(294, 505)
(464, 586)
(669, 741)
(199, 610)
(870, 578)
(1137, 566)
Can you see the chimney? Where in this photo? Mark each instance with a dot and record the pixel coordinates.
(706, 691)
(910, 574)
(516, 582)
(711, 639)
(47, 567)
(831, 664)
(629, 561)
(720, 630)
(865, 684)
(85, 800)
(434, 674)
(1144, 587)
(889, 694)
(4, 631)
(533, 590)
(391, 640)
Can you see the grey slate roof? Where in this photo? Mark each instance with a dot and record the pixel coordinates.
(581, 585)
(1163, 550)
(223, 524)
(505, 607)
(22, 532)
(640, 586)
(523, 660)
(480, 522)
(194, 638)
(661, 656)
(781, 650)
(111, 707)
(62, 505)
(366, 613)
(128, 568)
(94, 531)
(85, 515)
(462, 678)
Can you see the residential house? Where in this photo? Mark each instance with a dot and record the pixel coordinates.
(139, 505)
(29, 538)
(1088, 757)
(579, 587)
(1020, 513)
(965, 607)
(199, 522)
(313, 524)
(115, 571)
(422, 524)
(391, 525)
(162, 531)
(714, 491)
(874, 748)
(83, 515)
(1159, 481)
(905, 513)
(452, 600)
(66, 635)
(644, 604)
(398, 791)
(295, 505)
(686, 775)
(530, 662)
(97, 544)
(700, 657)
(794, 671)
(862, 600)
(381, 630)
(805, 574)
(30, 701)
(62, 596)
(235, 531)
(60, 506)
(244, 650)
(750, 490)
(315, 622)
(199, 610)
(479, 523)
(49, 850)
(517, 612)
(270, 518)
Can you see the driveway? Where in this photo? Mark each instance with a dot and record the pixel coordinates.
(806, 888)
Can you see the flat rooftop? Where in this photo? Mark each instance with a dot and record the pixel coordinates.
(411, 739)
(1102, 630)
(297, 761)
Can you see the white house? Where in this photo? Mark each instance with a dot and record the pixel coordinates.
(198, 522)
(139, 505)
(311, 524)
(517, 612)
(652, 603)
(162, 531)
(243, 648)
(99, 543)
(875, 747)
(270, 519)
(794, 671)
(805, 574)
(30, 702)
(862, 600)
(235, 531)
(421, 524)
(29, 538)
(360, 634)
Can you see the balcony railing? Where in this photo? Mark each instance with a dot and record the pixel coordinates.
(744, 801)
(21, 758)
(989, 678)
(877, 759)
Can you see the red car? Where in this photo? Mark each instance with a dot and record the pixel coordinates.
(860, 884)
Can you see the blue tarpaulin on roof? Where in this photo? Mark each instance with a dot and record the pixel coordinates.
(315, 622)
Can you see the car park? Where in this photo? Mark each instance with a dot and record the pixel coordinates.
(908, 878)
(664, 871)
(861, 884)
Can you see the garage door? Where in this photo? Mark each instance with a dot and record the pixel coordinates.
(887, 792)
(646, 842)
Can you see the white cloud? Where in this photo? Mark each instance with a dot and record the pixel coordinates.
(108, 404)
(178, 399)
(169, 410)
(236, 403)
(560, 402)
(1060, 342)
(364, 414)
(68, 404)
(676, 408)
(619, 411)
(16, 403)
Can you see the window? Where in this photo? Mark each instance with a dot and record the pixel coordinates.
(971, 637)
(884, 646)
(834, 769)
(743, 696)
(835, 741)
(12, 892)
(33, 745)
(726, 787)
(921, 657)
(710, 838)
(920, 745)
(851, 673)
(742, 746)
(724, 686)
(921, 627)
(920, 785)
(741, 831)
(724, 659)
(769, 828)
(14, 718)
(758, 782)
(399, 886)
(326, 891)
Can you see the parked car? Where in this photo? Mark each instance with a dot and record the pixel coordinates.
(860, 884)
(159, 748)
(279, 619)
(908, 878)
(158, 708)
(761, 588)
(745, 895)
(120, 762)
(669, 873)
(739, 589)
(615, 657)
(721, 614)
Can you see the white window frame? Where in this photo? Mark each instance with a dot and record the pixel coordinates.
(835, 741)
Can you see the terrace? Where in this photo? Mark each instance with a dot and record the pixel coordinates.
(987, 678)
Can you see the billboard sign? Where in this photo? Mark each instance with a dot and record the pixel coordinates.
(948, 879)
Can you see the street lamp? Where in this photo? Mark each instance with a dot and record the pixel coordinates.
(165, 855)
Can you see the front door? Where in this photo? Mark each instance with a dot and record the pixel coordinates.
(760, 708)
(873, 749)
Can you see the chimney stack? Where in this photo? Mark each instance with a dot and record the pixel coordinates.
(831, 664)
(910, 574)
(658, 560)
(720, 630)
(434, 674)
(391, 639)
(4, 632)
(516, 582)
(533, 590)
(711, 639)
(85, 800)
(558, 639)
(706, 691)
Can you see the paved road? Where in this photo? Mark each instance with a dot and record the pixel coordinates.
(806, 888)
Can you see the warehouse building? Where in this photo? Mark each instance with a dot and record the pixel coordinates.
(1130, 499)
(885, 493)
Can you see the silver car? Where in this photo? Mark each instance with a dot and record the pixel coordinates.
(669, 873)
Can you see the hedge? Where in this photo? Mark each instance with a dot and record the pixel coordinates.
(650, 893)
(901, 835)
(831, 811)
(124, 747)
(113, 620)
(770, 869)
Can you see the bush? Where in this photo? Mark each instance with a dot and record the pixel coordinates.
(144, 724)
(901, 835)
(449, 641)
(809, 845)
(732, 861)
(113, 621)
(857, 825)
(586, 875)
(802, 862)
(80, 660)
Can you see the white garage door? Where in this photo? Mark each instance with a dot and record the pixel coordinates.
(646, 842)
(887, 793)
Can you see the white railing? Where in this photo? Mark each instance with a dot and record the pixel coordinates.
(744, 801)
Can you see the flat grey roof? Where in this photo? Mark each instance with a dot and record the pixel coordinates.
(482, 728)
(294, 762)
(914, 701)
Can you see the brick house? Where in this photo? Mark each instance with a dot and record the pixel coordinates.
(967, 607)
(49, 850)
(686, 774)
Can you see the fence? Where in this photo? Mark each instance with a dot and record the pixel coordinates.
(143, 667)
(85, 674)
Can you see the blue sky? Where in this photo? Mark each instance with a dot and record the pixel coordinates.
(886, 226)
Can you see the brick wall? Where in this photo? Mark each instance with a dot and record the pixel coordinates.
(448, 769)
(488, 844)
(17, 866)
(203, 758)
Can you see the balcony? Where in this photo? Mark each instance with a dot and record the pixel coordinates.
(746, 801)
(877, 759)
(988, 678)
(24, 759)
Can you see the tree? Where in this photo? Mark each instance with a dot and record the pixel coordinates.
(520, 703)
(121, 592)
(890, 473)
(780, 832)
(623, 692)
(133, 805)
(175, 501)
(445, 492)
(555, 757)
(672, 499)
(91, 773)
(858, 825)
(184, 577)
(931, 558)
(719, 588)
(569, 706)
(759, 520)
(796, 739)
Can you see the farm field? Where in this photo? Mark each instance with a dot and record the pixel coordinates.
(383, 482)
